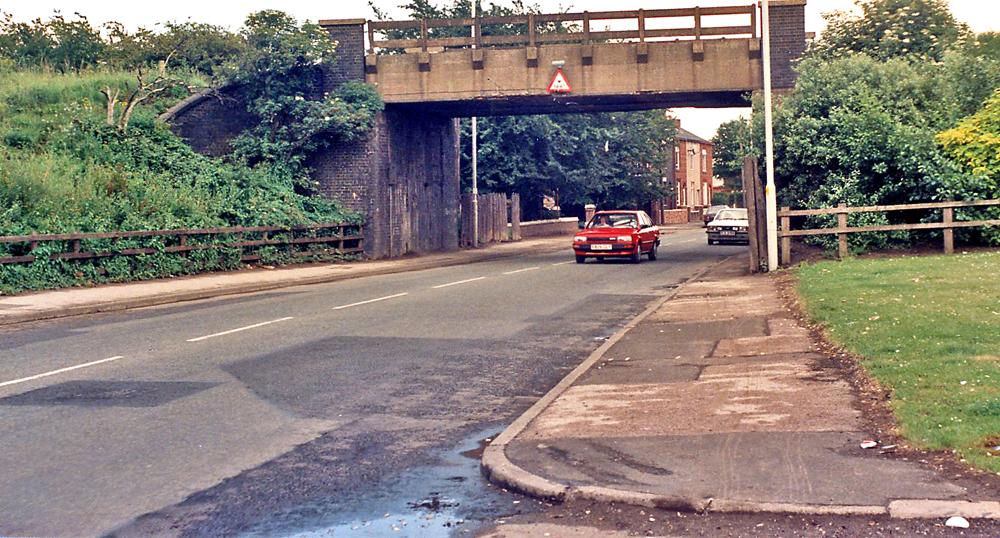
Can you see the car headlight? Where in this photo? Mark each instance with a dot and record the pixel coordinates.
(578, 239)
(742, 229)
(624, 238)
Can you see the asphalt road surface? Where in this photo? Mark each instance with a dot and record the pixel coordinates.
(352, 408)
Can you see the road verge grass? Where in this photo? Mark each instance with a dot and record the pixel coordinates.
(928, 329)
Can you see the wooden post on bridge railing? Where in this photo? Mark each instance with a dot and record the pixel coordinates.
(948, 217)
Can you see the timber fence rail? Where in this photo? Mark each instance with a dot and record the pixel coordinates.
(534, 29)
(298, 241)
(948, 223)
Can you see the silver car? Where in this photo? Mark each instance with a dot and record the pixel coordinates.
(729, 226)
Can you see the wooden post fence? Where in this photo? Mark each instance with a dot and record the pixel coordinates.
(947, 225)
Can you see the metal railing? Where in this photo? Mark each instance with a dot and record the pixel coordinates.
(948, 223)
(579, 29)
(339, 238)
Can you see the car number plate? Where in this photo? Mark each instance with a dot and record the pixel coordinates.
(600, 247)
(727, 232)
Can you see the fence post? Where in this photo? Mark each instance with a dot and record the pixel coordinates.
(841, 235)
(515, 217)
(502, 220)
(949, 233)
(786, 242)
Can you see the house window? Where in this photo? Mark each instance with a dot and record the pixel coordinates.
(704, 160)
(677, 158)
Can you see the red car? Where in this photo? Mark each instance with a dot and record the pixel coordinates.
(621, 234)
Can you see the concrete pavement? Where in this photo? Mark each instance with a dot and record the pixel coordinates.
(714, 399)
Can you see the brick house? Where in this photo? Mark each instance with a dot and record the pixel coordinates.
(691, 173)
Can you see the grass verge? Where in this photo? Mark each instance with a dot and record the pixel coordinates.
(928, 329)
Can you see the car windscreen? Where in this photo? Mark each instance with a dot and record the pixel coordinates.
(613, 220)
(732, 214)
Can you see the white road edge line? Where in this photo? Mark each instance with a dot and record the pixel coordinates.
(563, 263)
(369, 301)
(459, 282)
(59, 371)
(231, 331)
(521, 270)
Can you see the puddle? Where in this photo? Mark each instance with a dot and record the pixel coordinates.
(448, 499)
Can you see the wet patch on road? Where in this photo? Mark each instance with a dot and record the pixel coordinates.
(443, 499)
(109, 393)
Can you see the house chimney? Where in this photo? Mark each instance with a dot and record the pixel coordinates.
(677, 123)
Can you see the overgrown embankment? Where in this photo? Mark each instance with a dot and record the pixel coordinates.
(80, 150)
(928, 329)
(63, 170)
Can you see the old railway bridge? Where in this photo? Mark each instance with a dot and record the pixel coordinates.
(405, 176)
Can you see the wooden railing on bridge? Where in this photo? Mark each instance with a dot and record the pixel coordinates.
(338, 238)
(579, 29)
(948, 223)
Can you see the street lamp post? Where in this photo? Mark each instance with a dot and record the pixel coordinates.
(475, 154)
(770, 196)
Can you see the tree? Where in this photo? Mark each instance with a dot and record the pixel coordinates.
(891, 29)
(975, 145)
(145, 90)
(611, 159)
(733, 141)
(25, 43)
(77, 43)
(859, 131)
(279, 75)
(971, 72)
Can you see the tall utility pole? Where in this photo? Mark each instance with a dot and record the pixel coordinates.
(770, 196)
(475, 154)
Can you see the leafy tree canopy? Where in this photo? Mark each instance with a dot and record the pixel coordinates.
(891, 29)
(860, 131)
(67, 44)
(733, 141)
(280, 75)
(609, 159)
(975, 145)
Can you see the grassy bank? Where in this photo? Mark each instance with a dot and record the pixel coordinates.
(63, 170)
(929, 330)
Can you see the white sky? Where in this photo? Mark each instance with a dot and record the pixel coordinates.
(981, 15)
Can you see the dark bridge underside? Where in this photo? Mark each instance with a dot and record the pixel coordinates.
(523, 105)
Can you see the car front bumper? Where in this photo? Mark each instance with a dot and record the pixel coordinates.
(585, 249)
(739, 237)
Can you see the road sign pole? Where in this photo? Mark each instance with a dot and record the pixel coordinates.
(475, 155)
(770, 195)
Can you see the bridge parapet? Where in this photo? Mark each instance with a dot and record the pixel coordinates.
(696, 56)
(536, 29)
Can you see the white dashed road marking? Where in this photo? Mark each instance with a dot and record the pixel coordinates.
(564, 263)
(231, 331)
(459, 282)
(59, 371)
(369, 301)
(521, 270)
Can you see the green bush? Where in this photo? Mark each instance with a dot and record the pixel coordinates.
(63, 170)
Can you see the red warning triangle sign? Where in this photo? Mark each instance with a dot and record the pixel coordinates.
(559, 83)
